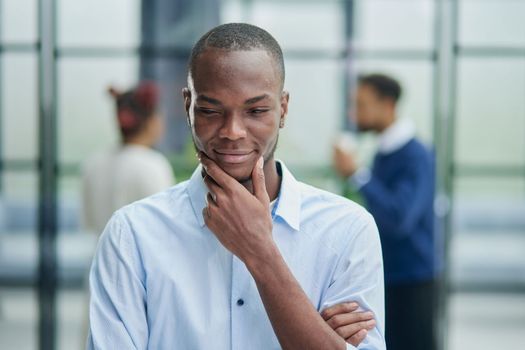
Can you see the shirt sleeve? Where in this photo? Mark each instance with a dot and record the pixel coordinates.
(117, 309)
(358, 277)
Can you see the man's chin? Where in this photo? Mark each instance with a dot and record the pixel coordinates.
(241, 173)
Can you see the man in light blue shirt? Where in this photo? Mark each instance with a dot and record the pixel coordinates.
(241, 256)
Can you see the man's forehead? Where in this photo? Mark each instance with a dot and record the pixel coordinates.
(216, 62)
(220, 53)
(247, 78)
(247, 101)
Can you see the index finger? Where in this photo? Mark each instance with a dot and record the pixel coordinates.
(337, 309)
(216, 173)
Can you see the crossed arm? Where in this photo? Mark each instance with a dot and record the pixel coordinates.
(337, 323)
(241, 221)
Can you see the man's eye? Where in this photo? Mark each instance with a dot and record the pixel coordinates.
(258, 111)
(207, 111)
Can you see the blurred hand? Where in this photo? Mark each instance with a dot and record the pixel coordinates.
(344, 162)
(350, 324)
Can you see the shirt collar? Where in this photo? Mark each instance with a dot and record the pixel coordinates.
(197, 191)
(396, 136)
(288, 206)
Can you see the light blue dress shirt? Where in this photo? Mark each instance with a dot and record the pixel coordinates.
(161, 280)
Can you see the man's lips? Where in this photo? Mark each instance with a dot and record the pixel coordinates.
(233, 156)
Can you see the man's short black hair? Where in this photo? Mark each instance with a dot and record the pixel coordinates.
(239, 37)
(384, 85)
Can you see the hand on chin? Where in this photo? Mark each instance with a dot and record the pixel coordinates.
(240, 172)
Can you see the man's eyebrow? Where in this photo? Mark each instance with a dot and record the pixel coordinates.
(209, 100)
(255, 99)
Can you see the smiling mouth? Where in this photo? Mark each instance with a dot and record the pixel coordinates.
(233, 156)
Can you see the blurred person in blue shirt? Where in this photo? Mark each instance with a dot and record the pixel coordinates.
(241, 256)
(399, 193)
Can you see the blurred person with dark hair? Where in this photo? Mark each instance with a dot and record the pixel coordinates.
(133, 170)
(399, 192)
(242, 255)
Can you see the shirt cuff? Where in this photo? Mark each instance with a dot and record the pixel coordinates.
(360, 178)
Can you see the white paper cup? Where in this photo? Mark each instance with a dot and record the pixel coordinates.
(346, 142)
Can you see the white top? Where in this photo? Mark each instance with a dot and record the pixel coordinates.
(119, 177)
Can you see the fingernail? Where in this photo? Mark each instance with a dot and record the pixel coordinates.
(353, 305)
(260, 163)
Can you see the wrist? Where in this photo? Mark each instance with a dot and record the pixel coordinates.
(260, 263)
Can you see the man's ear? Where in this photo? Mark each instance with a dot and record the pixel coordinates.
(186, 95)
(285, 98)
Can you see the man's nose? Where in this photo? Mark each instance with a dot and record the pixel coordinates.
(233, 127)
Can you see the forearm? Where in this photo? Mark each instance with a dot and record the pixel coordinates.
(294, 319)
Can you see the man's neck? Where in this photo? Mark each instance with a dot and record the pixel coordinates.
(272, 179)
(388, 123)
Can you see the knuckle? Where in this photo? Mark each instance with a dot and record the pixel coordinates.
(362, 316)
(354, 340)
(340, 332)
(363, 324)
(347, 307)
(233, 191)
(331, 323)
(337, 320)
(352, 328)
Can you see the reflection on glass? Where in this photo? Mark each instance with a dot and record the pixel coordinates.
(99, 23)
(18, 21)
(316, 25)
(19, 106)
(401, 24)
(490, 123)
(492, 22)
(315, 111)
(86, 116)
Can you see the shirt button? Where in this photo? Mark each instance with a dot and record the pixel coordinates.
(240, 302)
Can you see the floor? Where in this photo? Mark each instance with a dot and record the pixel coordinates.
(477, 321)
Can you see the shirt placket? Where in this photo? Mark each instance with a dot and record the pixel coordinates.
(239, 303)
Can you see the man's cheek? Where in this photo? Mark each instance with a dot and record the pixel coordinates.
(198, 140)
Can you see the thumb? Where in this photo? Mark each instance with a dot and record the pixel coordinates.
(258, 181)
